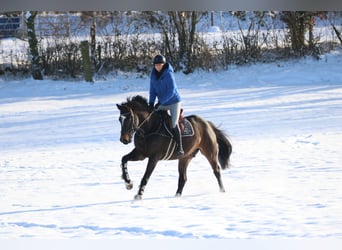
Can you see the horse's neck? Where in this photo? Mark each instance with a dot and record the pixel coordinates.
(149, 122)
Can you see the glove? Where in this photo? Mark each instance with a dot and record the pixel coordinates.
(151, 107)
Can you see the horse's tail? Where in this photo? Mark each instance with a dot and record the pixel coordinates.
(225, 147)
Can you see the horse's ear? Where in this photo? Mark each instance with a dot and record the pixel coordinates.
(119, 106)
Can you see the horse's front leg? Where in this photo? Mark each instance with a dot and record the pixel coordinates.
(149, 169)
(134, 155)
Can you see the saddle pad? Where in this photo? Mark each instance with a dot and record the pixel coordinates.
(186, 128)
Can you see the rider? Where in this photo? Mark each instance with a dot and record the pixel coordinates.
(163, 86)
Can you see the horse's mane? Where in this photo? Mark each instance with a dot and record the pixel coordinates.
(137, 102)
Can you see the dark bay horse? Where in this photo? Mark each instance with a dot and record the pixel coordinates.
(152, 140)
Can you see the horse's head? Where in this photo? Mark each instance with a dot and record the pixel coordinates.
(127, 122)
(129, 116)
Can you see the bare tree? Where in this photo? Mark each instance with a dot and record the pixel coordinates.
(298, 23)
(250, 36)
(185, 23)
(338, 32)
(178, 29)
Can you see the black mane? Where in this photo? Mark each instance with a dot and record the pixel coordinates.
(137, 102)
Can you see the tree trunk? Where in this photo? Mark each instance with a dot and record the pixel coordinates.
(297, 32)
(311, 21)
(185, 23)
(296, 23)
(93, 40)
(33, 44)
(337, 32)
(192, 33)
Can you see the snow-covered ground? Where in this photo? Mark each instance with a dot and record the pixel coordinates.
(60, 158)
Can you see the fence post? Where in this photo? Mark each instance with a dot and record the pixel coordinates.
(86, 61)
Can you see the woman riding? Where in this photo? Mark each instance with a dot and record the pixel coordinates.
(163, 86)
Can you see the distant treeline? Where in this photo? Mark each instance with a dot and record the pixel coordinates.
(191, 40)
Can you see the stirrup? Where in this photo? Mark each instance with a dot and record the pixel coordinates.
(179, 152)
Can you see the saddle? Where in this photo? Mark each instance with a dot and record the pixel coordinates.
(184, 124)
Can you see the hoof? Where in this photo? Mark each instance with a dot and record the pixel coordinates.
(137, 197)
(129, 185)
(178, 195)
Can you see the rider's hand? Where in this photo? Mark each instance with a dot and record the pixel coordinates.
(151, 106)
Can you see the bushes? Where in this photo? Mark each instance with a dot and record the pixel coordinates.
(61, 60)
(122, 43)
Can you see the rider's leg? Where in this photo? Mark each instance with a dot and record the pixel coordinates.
(175, 112)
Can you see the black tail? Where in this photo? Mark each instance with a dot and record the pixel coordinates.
(225, 147)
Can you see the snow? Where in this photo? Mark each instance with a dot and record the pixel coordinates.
(60, 158)
(214, 29)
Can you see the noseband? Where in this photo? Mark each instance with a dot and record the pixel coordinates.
(134, 127)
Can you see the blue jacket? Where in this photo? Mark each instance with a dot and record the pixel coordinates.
(164, 87)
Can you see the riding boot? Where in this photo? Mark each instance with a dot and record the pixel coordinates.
(178, 138)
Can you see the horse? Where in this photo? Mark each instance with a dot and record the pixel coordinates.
(153, 140)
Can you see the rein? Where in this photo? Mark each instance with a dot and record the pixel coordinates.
(143, 122)
(137, 128)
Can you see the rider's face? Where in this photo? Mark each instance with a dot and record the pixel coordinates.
(159, 66)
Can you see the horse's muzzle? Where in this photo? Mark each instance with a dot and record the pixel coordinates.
(125, 139)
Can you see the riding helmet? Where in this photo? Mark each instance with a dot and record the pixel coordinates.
(159, 59)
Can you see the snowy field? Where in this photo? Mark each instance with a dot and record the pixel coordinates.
(60, 158)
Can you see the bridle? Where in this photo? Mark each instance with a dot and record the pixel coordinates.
(133, 127)
(122, 119)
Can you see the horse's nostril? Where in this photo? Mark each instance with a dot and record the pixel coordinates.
(124, 140)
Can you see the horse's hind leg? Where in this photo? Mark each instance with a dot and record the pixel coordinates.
(217, 173)
(182, 167)
(212, 158)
